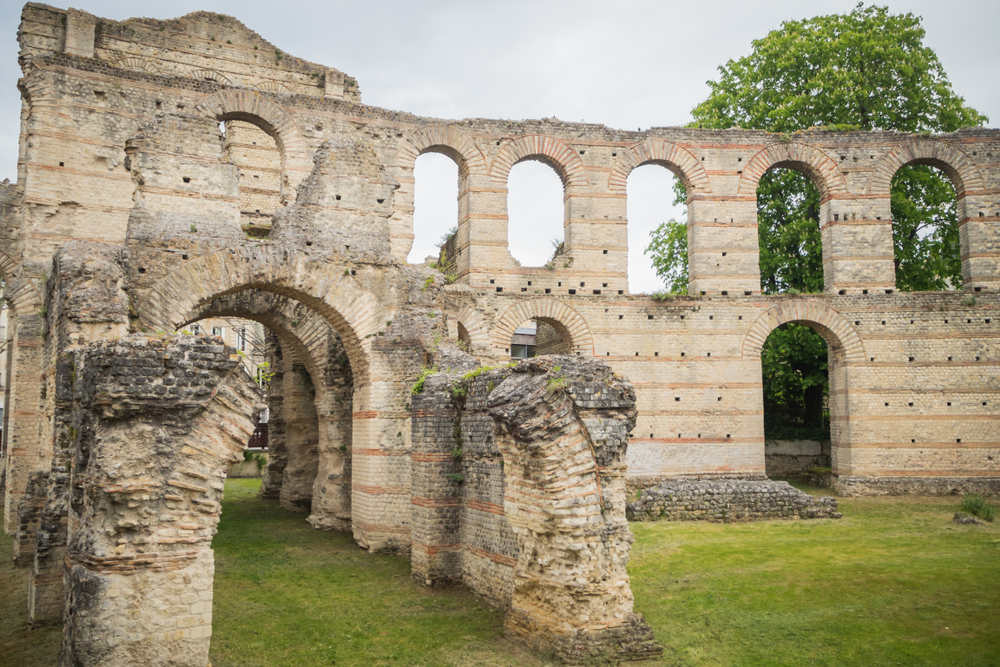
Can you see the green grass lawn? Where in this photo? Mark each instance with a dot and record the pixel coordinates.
(894, 582)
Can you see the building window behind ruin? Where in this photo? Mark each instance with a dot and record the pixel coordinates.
(256, 156)
(241, 339)
(522, 343)
(217, 331)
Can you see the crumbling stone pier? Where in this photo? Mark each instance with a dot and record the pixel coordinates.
(174, 170)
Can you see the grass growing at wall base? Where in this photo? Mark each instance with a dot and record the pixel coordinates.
(286, 594)
(894, 582)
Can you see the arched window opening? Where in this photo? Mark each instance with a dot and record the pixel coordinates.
(535, 213)
(796, 390)
(788, 218)
(657, 231)
(925, 230)
(258, 160)
(435, 205)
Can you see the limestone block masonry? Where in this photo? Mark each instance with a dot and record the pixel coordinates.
(169, 171)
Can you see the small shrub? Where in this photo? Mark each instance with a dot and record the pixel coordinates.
(456, 477)
(660, 295)
(975, 505)
(969, 301)
(418, 386)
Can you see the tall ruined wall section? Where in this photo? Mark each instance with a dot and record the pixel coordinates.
(90, 87)
(494, 452)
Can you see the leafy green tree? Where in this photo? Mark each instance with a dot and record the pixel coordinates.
(668, 248)
(866, 70)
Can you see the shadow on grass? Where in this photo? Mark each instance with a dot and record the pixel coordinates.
(286, 594)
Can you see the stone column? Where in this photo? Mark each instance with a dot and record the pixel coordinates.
(562, 425)
(331, 496)
(301, 435)
(157, 423)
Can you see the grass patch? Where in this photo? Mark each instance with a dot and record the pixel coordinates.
(894, 582)
(975, 505)
(20, 646)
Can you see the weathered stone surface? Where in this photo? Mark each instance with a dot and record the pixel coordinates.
(519, 490)
(728, 502)
(92, 250)
(967, 519)
(157, 424)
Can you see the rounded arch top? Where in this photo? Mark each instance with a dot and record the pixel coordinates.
(319, 284)
(582, 342)
(475, 325)
(810, 160)
(950, 159)
(549, 150)
(659, 151)
(305, 337)
(447, 140)
(834, 327)
(259, 109)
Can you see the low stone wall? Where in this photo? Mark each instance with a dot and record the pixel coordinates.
(245, 468)
(728, 502)
(914, 486)
(785, 458)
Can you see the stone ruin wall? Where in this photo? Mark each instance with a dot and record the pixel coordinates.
(120, 153)
(494, 453)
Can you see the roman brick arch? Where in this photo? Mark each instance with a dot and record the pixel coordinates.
(950, 159)
(567, 321)
(811, 161)
(475, 326)
(136, 64)
(211, 75)
(260, 109)
(320, 284)
(446, 140)
(306, 337)
(657, 151)
(838, 333)
(7, 265)
(549, 150)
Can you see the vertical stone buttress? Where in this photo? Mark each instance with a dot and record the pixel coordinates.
(156, 424)
(562, 425)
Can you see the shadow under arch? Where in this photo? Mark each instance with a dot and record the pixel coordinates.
(349, 308)
(566, 321)
(261, 110)
(845, 350)
(312, 455)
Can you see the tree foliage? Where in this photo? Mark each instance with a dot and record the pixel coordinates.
(867, 70)
(667, 249)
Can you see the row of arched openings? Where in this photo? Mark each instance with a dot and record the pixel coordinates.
(924, 204)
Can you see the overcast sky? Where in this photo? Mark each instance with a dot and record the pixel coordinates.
(629, 64)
